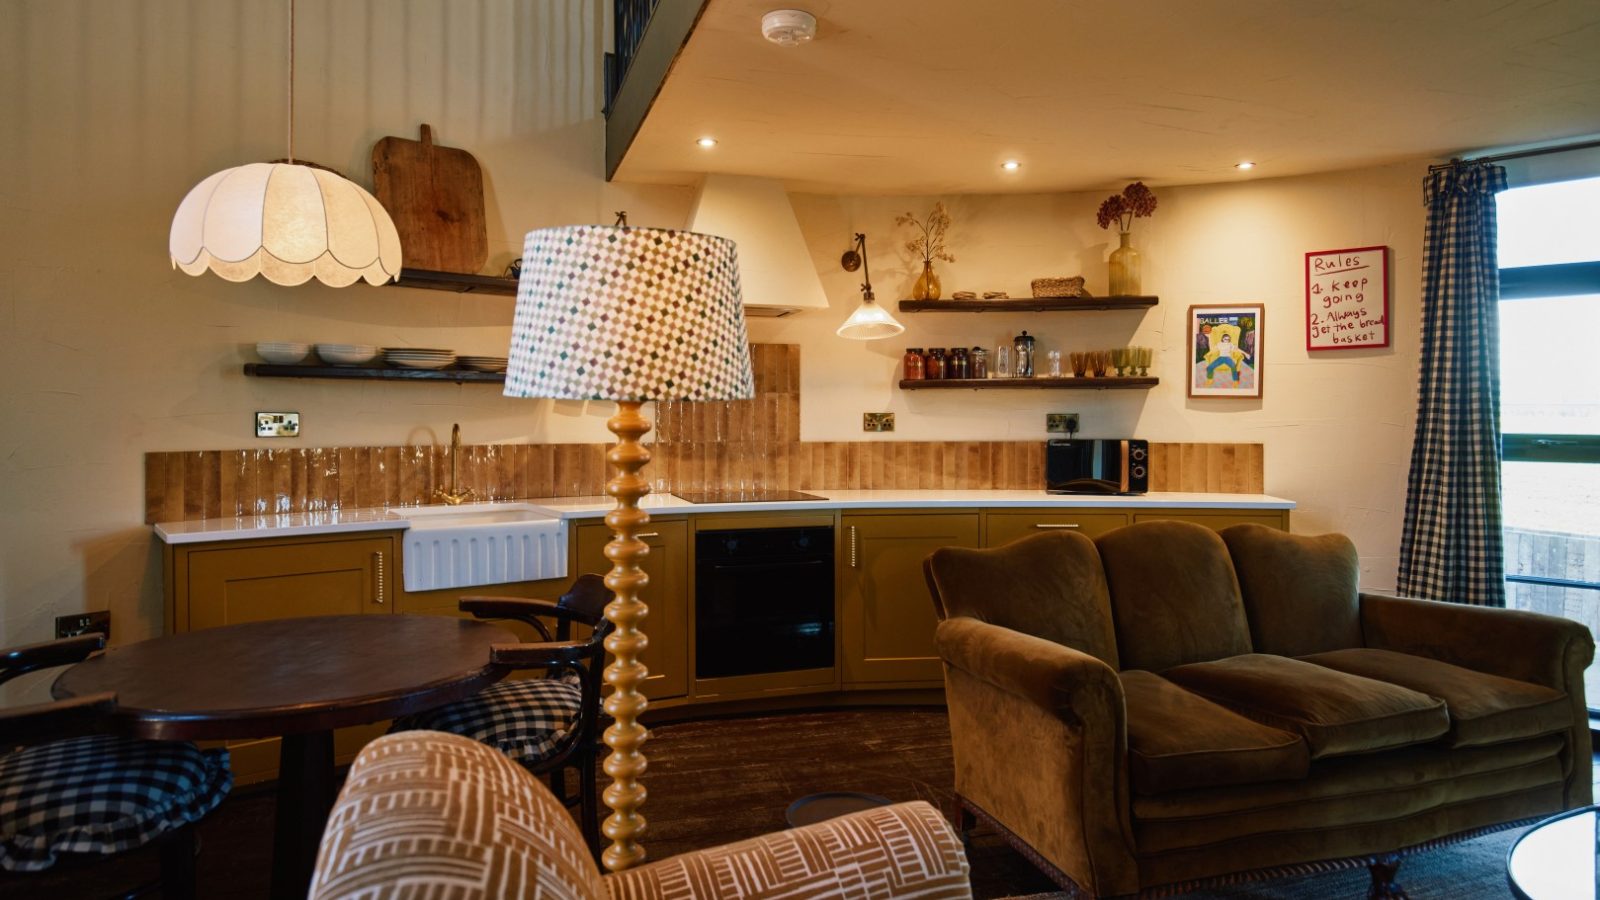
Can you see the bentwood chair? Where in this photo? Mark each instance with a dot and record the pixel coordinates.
(551, 724)
(70, 792)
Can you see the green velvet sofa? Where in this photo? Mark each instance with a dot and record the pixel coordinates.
(1167, 707)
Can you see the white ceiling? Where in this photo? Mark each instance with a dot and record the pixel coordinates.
(930, 96)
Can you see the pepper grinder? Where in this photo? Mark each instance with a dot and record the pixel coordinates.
(1022, 344)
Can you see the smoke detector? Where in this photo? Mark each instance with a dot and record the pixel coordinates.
(789, 27)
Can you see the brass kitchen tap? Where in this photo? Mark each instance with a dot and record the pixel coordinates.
(453, 497)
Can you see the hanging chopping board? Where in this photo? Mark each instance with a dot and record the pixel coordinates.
(435, 196)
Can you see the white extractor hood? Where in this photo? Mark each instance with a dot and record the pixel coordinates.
(775, 267)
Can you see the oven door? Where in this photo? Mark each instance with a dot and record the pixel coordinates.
(754, 616)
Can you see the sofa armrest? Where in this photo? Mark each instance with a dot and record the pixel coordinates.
(905, 850)
(1068, 683)
(1040, 739)
(1511, 643)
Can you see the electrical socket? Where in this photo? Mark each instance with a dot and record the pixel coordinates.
(877, 421)
(277, 424)
(84, 623)
(1061, 423)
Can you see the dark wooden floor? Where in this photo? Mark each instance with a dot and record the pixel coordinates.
(710, 782)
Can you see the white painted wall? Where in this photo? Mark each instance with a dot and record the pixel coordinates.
(1337, 425)
(114, 110)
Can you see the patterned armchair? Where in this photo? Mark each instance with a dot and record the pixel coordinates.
(426, 814)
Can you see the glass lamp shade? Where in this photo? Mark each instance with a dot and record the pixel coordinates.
(870, 322)
(288, 223)
(610, 312)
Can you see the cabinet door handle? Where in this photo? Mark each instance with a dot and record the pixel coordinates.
(1055, 525)
(646, 534)
(377, 573)
(855, 562)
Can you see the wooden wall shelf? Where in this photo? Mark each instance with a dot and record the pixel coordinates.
(458, 283)
(1110, 382)
(373, 373)
(1031, 304)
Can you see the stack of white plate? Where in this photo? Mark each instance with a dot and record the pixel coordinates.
(283, 353)
(483, 363)
(347, 354)
(419, 357)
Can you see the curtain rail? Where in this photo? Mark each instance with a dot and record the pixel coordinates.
(1518, 154)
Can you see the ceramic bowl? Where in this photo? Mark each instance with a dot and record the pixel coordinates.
(284, 353)
(347, 354)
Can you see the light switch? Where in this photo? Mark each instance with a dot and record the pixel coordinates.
(277, 424)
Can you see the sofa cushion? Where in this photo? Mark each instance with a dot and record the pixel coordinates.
(1049, 585)
(1174, 597)
(1335, 712)
(1178, 740)
(1300, 591)
(1484, 709)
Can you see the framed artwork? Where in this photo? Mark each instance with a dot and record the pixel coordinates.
(1225, 350)
(1347, 298)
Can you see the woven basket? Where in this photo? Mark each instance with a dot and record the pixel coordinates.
(1058, 287)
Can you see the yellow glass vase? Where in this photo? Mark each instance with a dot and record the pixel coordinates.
(1124, 269)
(927, 287)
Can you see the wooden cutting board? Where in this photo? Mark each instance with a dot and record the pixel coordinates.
(435, 196)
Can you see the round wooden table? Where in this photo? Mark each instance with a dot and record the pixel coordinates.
(298, 679)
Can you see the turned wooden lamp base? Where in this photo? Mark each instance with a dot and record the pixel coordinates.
(626, 764)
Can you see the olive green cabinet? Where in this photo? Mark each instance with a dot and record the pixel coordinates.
(667, 596)
(886, 614)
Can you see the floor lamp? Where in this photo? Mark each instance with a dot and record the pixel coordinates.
(628, 314)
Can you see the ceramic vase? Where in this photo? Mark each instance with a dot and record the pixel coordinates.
(927, 287)
(1124, 268)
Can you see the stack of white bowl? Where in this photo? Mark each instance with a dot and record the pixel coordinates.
(419, 357)
(483, 363)
(284, 353)
(347, 354)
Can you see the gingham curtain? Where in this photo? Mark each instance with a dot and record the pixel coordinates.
(1451, 547)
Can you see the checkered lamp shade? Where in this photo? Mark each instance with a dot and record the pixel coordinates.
(617, 313)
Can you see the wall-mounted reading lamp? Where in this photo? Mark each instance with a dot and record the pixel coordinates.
(870, 322)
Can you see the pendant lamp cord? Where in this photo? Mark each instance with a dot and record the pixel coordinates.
(291, 81)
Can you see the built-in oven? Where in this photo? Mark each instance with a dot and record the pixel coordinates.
(763, 601)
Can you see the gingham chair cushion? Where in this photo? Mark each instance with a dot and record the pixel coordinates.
(102, 794)
(526, 720)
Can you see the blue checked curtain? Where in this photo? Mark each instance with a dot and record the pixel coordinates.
(1451, 547)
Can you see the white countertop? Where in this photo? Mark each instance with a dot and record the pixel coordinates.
(391, 519)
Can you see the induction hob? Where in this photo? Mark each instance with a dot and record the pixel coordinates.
(750, 496)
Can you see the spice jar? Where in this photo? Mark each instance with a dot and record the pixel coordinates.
(933, 364)
(980, 362)
(1023, 346)
(957, 366)
(912, 364)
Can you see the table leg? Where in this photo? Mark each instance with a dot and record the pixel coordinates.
(305, 797)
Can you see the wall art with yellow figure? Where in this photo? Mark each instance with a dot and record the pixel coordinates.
(1225, 350)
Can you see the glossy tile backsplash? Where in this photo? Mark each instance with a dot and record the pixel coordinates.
(698, 446)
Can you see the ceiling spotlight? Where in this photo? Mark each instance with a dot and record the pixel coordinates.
(707, 142)
(1011, 165)
(789, 27)
(1245, 166)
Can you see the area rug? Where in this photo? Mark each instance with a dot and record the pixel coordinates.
(1470, 870)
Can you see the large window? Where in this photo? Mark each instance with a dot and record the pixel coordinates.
(1550, 400)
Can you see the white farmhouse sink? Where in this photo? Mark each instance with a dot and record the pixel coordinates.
(480, 543)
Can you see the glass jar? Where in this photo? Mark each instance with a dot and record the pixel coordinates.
(958, 365)
(980, 362)
(912, 364)
(1002, 361)
(1054, 356)
(1022, 344)
(933, 364)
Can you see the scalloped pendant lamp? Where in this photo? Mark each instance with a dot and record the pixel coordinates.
(286, 221)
